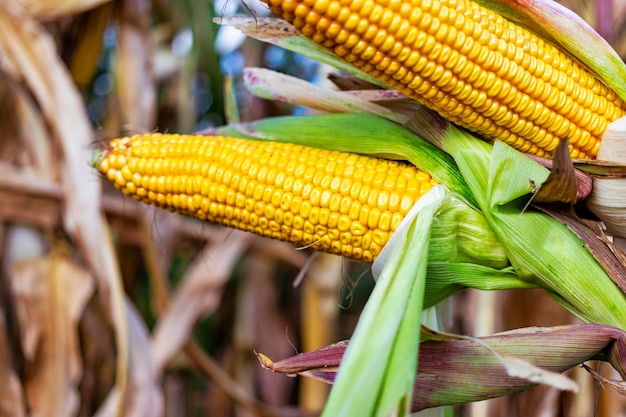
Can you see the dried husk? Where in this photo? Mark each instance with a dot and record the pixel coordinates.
(608, 196)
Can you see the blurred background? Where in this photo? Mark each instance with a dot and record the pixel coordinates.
(111, 308)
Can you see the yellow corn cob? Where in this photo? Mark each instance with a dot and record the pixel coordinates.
(469, 64)
(337, 202)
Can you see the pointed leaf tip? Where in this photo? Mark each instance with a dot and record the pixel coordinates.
(562, 184)
(266, 362)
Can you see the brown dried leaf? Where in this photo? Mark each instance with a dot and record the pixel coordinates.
(144, 397)
(198, 294)
(584, 178)
(26, 142)
(133, 72)
(29, 200)
(30, 49)
(606, 169)
(562, 184)
(51, 294)
(619, 386)
(47, 10)
(12, 401)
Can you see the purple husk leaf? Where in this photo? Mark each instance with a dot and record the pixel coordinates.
(455, 371)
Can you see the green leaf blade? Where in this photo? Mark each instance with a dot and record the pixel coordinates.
(377, 372)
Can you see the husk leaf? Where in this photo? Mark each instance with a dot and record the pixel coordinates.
(376, 377)
(459, 369)
(540, 248)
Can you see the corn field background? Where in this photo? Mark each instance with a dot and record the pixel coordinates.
(111, 308)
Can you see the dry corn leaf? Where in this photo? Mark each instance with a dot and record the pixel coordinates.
(12, 400)
(31, 49)
(583, 177)
(29, 46)
(34, 136)
(144, 396)
(319, 319)
(261, 323)
(562, 183)
(197, 295)
(51, 294)
(47, 10)
(133, 66)
(29, 200)
(619, 386)
(25, 139)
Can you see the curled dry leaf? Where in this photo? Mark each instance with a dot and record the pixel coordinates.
(51, 294)
(26, 141)
(619, 386)
(564, 184)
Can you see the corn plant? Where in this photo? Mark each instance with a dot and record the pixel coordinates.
(427, 177)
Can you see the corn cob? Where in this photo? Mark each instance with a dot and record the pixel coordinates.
(470, 65)
(336, 202)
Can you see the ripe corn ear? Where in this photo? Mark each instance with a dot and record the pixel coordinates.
(470, 65)
(336, 202)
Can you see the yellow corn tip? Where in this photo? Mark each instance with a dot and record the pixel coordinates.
(336, 202)
(469, 64)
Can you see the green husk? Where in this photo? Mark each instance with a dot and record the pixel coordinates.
(464, 250)
(465, 253)
(377, 373)
(540, 248)
(447, 278)
(461, 234)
